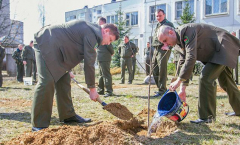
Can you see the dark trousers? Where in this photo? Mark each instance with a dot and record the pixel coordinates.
(208, 87)
(20, 72)
(147, 66)
(133, 66)
(160, 61)
(126, 62)
(28, 68)
(105, 77)
(44, 93)
(1, 78)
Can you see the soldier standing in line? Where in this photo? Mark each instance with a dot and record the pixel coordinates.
(126, 50)
(2, 55)
(29, 60)
(218, 50)
(104, 57)
(160, 56)
(134, 59)
(148, 56)
(17, 55)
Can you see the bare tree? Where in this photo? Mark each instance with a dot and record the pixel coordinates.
(42, 12)
(9, 29)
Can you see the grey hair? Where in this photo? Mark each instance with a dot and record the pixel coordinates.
(163, 30)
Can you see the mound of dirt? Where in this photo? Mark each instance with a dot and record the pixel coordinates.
(103, 133)
(119, 111)
(133, 131)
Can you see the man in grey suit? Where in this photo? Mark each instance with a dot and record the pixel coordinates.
(218, 50)
(58, 49)
(104, 57)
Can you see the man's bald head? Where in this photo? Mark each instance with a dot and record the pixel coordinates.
(167, 35)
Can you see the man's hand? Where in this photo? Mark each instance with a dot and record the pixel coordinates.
(93, 94)
(182, 93)
(24, 62)
(71, 75)
(174, 85)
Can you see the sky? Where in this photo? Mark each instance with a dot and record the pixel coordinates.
(27, 11)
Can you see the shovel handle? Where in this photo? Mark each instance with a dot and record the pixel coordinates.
(88, 92)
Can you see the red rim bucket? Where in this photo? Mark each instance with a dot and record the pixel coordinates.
(171, 106)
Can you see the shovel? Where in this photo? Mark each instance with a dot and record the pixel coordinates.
(115, 109)
(87, 91)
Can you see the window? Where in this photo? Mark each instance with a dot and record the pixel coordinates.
(132, 19)
(215, 7)
(99, 11)
(152, 11)
(135, 41)
(112, 19)
(180, 5)
(71, 18)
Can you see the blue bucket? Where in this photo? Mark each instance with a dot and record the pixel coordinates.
(171, 106)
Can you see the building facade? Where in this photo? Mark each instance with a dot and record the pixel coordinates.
(139, 15)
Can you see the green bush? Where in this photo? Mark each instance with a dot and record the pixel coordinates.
(171, 69)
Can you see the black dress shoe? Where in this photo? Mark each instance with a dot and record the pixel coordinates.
(198, 121)
(130, 82)
(231, 114)
(77, 119)
(37, 128)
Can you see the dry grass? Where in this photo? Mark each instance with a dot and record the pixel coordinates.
(15, 117)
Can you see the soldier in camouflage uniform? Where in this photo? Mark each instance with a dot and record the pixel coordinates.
(2, 55)
(160, 56)
(17, 55)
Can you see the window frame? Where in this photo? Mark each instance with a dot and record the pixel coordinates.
(130, 19)
(150, 12)
(183, 6)
(110, 20)
(215, 14)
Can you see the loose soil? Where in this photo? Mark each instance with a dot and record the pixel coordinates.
(131, 131)
(119, 111)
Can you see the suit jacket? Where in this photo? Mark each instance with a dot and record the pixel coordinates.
(147, 54)
(206, 43)
(64, 46)
(105, 52)
(28, 53)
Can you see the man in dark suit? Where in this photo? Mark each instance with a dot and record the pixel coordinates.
(2, 55)
(218, 50)
(58, 49)
(29, 61)
(104, 57)
(148, 52)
